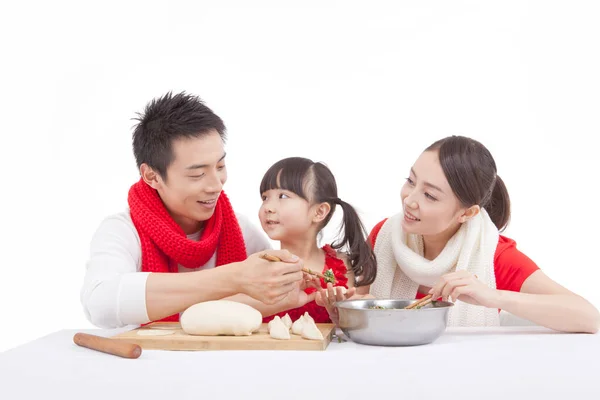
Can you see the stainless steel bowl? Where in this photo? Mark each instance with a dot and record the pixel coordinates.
(392, 326)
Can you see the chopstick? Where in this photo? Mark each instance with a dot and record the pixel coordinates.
(423, 302)
(270, 257)
(307, 270)
(311, 272)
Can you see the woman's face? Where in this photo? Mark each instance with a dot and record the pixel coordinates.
(430, 207)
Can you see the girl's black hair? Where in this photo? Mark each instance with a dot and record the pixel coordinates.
(315, 183)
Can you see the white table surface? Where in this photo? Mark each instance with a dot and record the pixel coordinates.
(465, 363)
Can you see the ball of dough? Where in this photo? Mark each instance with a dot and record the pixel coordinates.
(220, 317)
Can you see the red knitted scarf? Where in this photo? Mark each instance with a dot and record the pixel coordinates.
(165, 245)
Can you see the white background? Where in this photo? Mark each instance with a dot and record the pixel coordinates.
(362, 86)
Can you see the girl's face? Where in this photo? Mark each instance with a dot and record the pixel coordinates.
(430, 207)
(284, 215)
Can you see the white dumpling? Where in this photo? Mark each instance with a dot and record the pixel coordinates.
(311, 331)
(278, 330)
(221, 317)
(287, 321)
(307, 317)
(273, 321)
(297, 326)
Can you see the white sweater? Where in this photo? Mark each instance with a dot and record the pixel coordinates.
(114, 288)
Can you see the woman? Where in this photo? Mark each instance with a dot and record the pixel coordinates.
(446, 242)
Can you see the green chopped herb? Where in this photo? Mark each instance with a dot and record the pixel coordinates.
(329, 276)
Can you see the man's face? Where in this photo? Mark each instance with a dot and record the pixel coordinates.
(194, 180)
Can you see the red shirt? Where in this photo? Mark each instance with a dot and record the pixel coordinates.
(318, 313)
(511, 267)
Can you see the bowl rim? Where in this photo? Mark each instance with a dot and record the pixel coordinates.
(344, 305)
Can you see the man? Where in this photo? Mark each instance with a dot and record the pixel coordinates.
(180, 220)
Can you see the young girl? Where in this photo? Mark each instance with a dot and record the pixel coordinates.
(299, 198)
(446, 242)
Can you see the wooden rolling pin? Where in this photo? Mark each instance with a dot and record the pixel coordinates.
(106, 345)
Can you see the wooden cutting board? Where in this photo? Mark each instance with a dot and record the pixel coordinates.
(179, 340)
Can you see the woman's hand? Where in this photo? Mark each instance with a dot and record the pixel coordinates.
(465, 287)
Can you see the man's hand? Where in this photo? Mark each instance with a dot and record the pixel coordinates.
(269, 281)
(298, 297)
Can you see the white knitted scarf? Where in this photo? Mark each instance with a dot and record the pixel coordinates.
(401, 267)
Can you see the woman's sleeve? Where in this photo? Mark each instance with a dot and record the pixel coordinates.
(511, 266)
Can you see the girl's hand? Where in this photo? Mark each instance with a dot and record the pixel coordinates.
(327, 297)
(465, 287)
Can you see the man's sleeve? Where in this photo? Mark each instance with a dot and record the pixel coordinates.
(114, 291)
